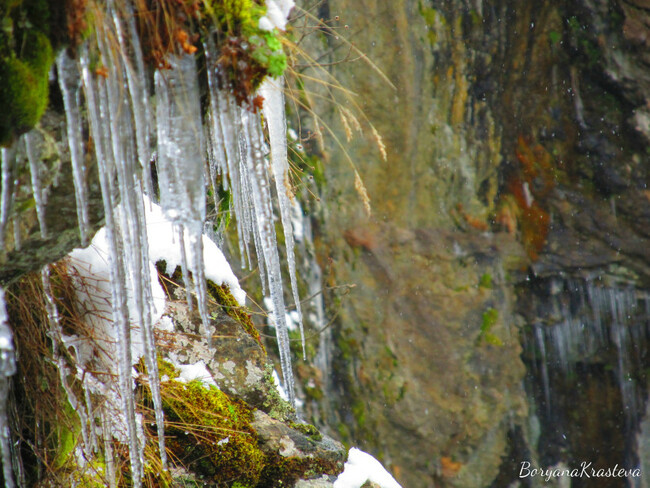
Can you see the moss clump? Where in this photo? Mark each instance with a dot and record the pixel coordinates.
(307, 429)
(488, 321)
(23, 83)
(221, 294)
(210, 433)
(273, 403)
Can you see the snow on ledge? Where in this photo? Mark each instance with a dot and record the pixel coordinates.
(361, 467)
(196, 371)
(163, 245)
(277, 14)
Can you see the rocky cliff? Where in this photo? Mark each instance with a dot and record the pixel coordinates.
(517, 146)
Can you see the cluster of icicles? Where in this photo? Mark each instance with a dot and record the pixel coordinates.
(118, 116)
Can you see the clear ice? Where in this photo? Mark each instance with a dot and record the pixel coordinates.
(7, 369)
(272, 91)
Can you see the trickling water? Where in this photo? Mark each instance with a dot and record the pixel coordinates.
(584, 328)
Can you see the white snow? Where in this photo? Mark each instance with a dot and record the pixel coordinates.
(164, 246)
(277, 14)
(196, 371)
(281, 390)
(361, 467)
(92, 264)
(94, 292)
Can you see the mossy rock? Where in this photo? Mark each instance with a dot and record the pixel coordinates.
(24, 86)
(209, 433)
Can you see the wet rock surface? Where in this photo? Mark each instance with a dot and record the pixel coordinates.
(527, 120)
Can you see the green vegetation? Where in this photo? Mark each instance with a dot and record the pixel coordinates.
(221, 294)
(26, 56)
(209, 432)
(485, 281)
(489, 320)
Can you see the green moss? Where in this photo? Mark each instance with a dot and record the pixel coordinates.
(67, 432)
(280, 471)
(209, 432)
(307, 429)
(273, 404)
(268, 53)
(489, 320)
(485, 281)
(359, 412)
(26, 57)
(248, 53)
(554, 37)
(235, 16)
(221, 294)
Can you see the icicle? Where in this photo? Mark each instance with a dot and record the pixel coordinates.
(266, 232)
(225, 130)
(7, 369)
(133, 228)
(273, 111)
(37, 190)
(56, 333)
(108, 451)
(181, 161)
(247, 192)
(8, 156)
(69, 83)
(137, 84)
(97, 113)
(16, 226)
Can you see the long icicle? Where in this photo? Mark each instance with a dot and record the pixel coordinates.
(118, 298)
(7, 370)
(273, 110)
(8, 157)
(37, 190)
(180, 164)
(266, 230)
(137, 84)
(133, 226)
(225, 136)
(69, 82)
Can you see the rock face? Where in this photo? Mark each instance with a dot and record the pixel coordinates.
(31, 251)
(516, 136)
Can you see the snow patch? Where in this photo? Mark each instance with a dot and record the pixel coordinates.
(277, 14)
(361, 467)
(164, 246)
(196, 371)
